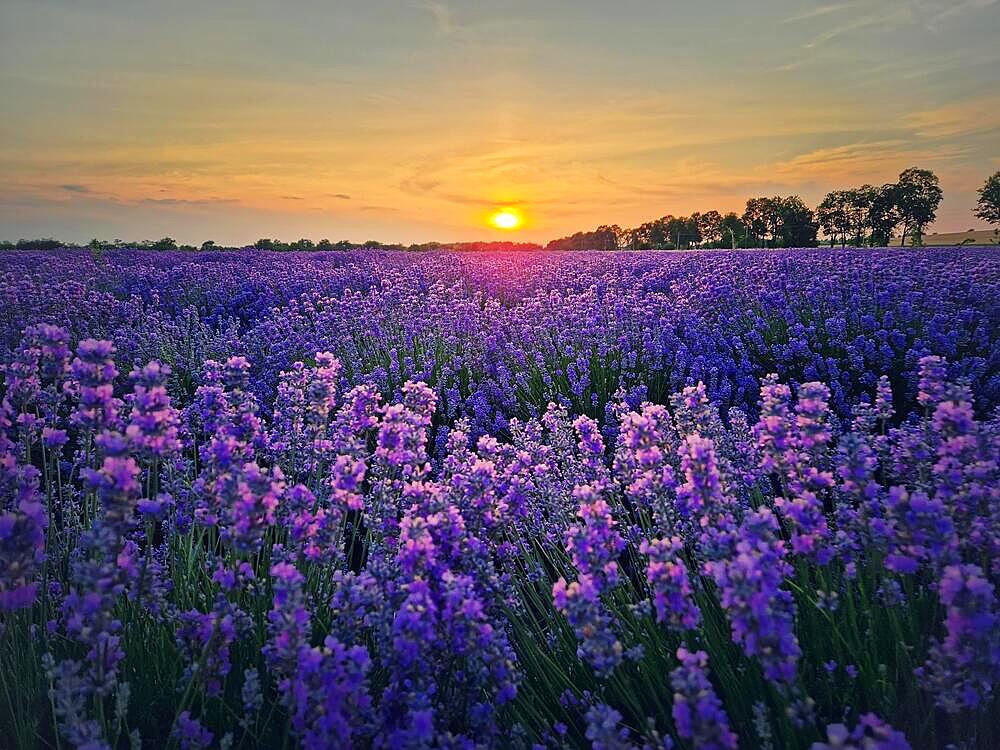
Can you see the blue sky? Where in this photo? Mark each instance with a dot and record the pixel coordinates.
(410, 121)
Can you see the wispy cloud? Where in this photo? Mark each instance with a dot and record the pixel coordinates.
(187, 201)
(934, 12)
(959, 118)
(75, 188)
(891, 17)
(817, 12)
(851, 163)
(444, 19)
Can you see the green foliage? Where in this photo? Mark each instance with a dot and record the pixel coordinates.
(918, 195)
(988, 206)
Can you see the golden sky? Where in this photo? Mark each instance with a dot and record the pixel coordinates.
(412, 121)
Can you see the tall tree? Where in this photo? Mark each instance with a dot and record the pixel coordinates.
(709, 225)
(732, 230)
(859, 201)
(623, 237)
(884, 215)
(918, 197)
(605, 238)
(988, 207)
(795, 223)
(681, 231)
(831, 215)
(759, 218)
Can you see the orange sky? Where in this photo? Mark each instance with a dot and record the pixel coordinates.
(412, 121)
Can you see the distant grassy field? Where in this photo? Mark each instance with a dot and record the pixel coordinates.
(976, 237)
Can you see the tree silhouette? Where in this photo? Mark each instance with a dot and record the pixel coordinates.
(988, 207)
(918, 197)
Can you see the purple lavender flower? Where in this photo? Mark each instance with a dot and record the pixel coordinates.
(190, 733)
(591, 447)
(871, 733)
(94, 374)
(917, 530)
(762, 615)
(595, 546)
(303, 413)
(117, 485)
(205, 638)
(961, 669)
(673, 598)
(328, 695)
(152, 427)
(604, 729)
(34, 381)
(289, 625)
(795, 448)
(698, 712)
(22, 531)
(407, 706)
(883, 400)
(646, 443)
(402, 432)
(580, 602)
(931, 383)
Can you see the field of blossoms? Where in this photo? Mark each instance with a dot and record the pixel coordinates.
(458, 500)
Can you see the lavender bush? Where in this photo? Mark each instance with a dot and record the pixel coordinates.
(463, 501)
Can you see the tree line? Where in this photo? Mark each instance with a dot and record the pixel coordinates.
(862, 216)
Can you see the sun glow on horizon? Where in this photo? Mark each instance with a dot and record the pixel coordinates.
(506, 219)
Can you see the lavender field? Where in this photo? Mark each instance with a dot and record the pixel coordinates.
(472, 500)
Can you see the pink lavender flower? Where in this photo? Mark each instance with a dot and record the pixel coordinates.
(117, 485)
(884, 409)
(94, 373)
(646, 443)
(795, 448)
(673, 598)
(402, 434)
(314, 530)
(701, 499)
(346, 476)
(591, 448)
(595, 546)
(774, 431)
(303, 413)
(932, 378)
(153, 423)
(241, 499)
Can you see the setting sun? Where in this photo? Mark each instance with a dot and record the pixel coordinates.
(505, 220)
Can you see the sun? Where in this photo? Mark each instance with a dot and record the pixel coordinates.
(505, 219)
